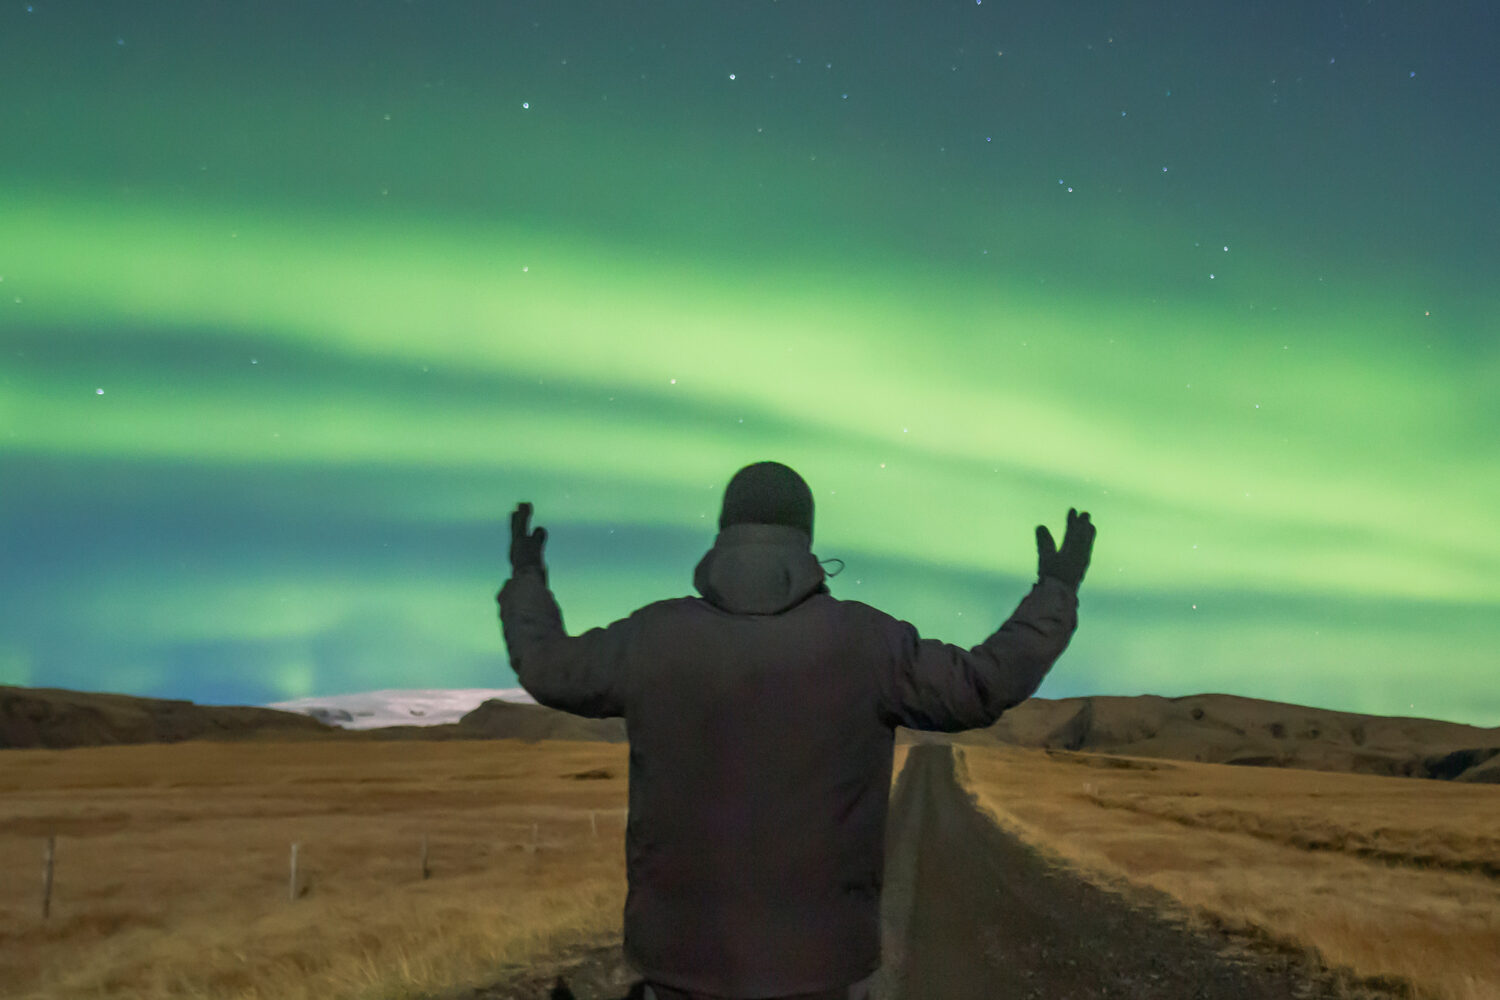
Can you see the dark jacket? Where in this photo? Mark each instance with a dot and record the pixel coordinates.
(761, 721)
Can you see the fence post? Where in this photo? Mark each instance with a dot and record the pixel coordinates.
(425, 872)
(47, 879)
(292, 887)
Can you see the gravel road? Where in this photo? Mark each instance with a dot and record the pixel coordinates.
(970, 911)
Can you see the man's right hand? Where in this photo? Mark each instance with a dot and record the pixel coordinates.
(525, 544)
(1069, 563)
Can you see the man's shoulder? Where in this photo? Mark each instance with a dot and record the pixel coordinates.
(861, 610)
(666, 605)
(822, 602)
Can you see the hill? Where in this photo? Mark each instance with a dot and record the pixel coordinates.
(1229, 729)
(1211, 728)
(56, 717)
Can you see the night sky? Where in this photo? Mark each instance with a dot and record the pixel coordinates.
(298, 300)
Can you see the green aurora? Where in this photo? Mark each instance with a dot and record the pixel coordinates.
(295, 307)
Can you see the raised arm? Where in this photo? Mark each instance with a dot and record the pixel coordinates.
(581, 674)
(938, 686)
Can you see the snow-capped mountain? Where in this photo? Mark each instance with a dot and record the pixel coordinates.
(421, 707)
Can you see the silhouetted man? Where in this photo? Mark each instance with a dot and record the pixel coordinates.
(761, 720)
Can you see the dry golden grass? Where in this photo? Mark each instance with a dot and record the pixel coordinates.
(173, 862)
(1394, 877)
(172, 866)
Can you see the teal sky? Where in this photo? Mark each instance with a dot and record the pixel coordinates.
(296, 304)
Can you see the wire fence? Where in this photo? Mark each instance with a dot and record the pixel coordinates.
(297, 884)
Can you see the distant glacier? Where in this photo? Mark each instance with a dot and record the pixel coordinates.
(394, 707)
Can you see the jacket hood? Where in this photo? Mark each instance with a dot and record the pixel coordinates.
(759, 569)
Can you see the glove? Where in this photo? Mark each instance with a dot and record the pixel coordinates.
(1069, 563)
(525, 549)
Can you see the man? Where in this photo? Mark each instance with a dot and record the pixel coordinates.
(761, 720)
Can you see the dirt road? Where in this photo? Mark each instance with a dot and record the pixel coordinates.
(969, 911)
(991, 918)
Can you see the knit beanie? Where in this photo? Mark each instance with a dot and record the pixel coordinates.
(768, 493)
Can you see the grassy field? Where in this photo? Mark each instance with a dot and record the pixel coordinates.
(1390, 877)
(173, 862)
(172, 866)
